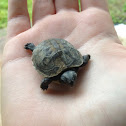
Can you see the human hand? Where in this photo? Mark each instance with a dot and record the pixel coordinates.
(97, 99)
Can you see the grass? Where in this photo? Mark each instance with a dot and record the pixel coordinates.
(4, 11)
(117, 11)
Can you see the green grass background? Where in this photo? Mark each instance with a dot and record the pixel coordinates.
(117, 10)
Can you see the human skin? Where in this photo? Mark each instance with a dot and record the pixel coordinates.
(99, 95)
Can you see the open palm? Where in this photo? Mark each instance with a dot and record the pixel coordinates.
(98, 98)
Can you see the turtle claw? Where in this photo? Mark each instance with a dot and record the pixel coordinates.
(30, 46)
(44, 87)
(86, 58)
(45, 83)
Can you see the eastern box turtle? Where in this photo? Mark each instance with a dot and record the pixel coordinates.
(57, 60)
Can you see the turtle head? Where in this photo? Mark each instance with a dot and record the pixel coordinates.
(68, 77)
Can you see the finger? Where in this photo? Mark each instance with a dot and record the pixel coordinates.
(18, 17)
(66, 4)
(42, 8)
(102, 4)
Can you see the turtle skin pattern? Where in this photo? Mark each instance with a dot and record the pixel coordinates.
(53, 56)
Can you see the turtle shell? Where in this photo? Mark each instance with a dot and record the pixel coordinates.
(53, 56)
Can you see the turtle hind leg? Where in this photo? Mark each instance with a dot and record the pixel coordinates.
(86, 58)
(29, 46)
(45, 83)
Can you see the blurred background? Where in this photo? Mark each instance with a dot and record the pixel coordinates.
(117, 10)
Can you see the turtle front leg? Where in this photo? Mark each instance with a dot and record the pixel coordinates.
(86, 58)
(30, 46)
(45, 83)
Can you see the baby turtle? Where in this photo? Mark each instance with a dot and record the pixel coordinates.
(57, 60)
